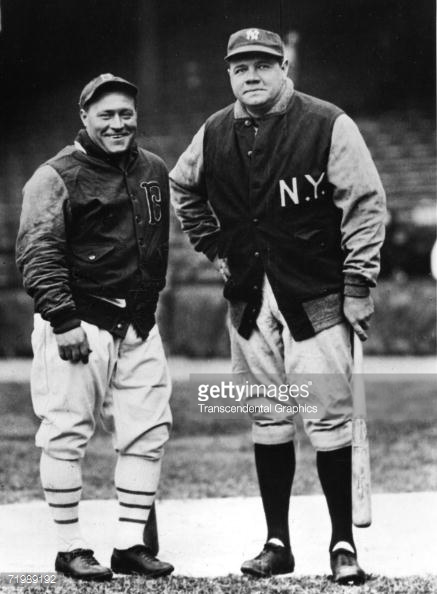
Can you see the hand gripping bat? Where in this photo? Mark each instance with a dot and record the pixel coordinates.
(361, 491)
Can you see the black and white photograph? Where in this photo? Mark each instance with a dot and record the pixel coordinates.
(218, 309)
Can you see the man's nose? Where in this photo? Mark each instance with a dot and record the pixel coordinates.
(116, 121)
(252, 75)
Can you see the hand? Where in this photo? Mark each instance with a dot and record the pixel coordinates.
(73, 345)
(358, 312)
(221, 265)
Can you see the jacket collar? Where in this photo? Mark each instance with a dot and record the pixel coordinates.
(279, 106)
(84, 144)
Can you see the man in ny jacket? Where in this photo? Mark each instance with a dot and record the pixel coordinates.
(280, 191)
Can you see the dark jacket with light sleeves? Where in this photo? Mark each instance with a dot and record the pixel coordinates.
(92, 232)
(293, 195)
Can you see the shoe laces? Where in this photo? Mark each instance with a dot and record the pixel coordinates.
(87, 554)
(269, 547)
(348, 558)
(143, 551)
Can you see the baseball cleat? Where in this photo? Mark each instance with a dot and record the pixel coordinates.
(81, 564)
(273, 560)
(139, 560)
(345, 568)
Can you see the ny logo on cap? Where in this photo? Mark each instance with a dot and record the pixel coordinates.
(252, 34)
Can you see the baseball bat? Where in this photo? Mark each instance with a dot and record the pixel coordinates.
(361, 490)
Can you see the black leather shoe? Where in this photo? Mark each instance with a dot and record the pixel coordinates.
(150, 533)
(80, 564)
(139, 559)
(272, 560)
(345, 568)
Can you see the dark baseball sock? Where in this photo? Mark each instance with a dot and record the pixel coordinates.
(335, 473)
(275, 465)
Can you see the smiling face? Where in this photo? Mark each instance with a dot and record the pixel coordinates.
(111, 121)
(257, 80)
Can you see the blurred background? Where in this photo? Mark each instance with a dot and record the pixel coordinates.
(374, 58)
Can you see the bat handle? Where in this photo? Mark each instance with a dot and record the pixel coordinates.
(357, 353)
(358, 391)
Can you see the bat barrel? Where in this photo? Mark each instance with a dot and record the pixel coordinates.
(361, 489)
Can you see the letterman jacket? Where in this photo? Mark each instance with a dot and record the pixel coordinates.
(293, 195)
(92, 233)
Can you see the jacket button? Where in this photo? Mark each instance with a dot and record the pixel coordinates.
(247, 123)
(249, 154)
(119, 326)
(92, 257)
(256, 254)
(255, 288)
(255, 221)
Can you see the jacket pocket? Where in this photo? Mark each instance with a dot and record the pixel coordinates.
(92, 254)
(312, 237)
(92, 261)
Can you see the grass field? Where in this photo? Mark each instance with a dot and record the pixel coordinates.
(236, 585)
(208, 458)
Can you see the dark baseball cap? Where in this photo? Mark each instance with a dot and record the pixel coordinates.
(97, 84)
(255, 40)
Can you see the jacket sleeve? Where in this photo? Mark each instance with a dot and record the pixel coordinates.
(41, 249)
(189, 199)
(359, 194)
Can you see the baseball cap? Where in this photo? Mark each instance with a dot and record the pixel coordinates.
(89, 91)
(255, 40)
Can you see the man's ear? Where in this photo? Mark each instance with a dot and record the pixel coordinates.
(83, 116)
(284, 66)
